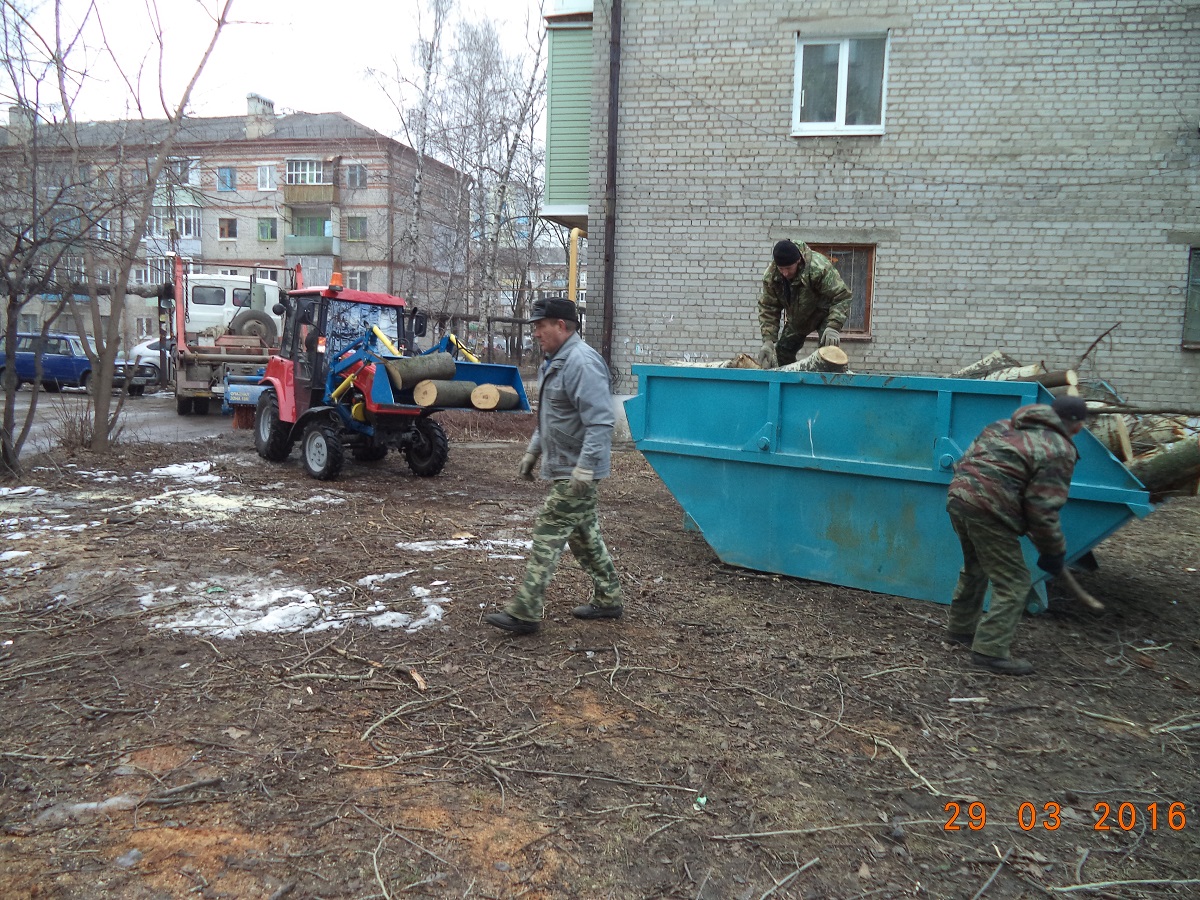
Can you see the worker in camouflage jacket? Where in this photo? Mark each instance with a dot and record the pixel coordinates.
(1012, 481)
(573, 439)
(804, 289)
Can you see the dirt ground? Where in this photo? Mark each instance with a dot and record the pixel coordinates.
(736, 735)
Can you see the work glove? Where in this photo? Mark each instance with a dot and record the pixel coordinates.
(766, 356)
(528, 463)
(831, 338)
(581, 481)
(1051, 562)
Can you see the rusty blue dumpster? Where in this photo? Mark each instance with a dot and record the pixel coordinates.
(842, 478)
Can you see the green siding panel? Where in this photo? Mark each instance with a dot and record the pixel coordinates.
(568, 113)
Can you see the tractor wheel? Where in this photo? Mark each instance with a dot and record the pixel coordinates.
(200, 406)
(369, 452)
(183, 405)
(255, 323)
(321, 450)
(271, 436)
(137, 390)
(429, 449)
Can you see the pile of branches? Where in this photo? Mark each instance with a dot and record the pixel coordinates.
(1159, 445)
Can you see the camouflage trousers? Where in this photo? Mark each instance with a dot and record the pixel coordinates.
(991, 552)
(572, 521)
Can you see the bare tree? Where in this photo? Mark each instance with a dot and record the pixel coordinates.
(62, 187)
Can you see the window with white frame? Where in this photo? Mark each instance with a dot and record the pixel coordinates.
(159, 269)
(306, 171)
(185, 218)
(145, 327)
(266, 178)
(356, 279)
(356, 175)
(229, 272)
(356, 228)
(269, 275)
(104, 230)
(29, 322)
(840, 85)
(181, 170)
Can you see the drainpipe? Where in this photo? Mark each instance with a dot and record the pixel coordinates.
(610, 188)
(573, 264)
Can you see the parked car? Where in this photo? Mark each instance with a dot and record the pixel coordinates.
(147, 354)
(65, 363)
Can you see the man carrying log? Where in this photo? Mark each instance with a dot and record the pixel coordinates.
(574, 440)
(1012, 481)
(805, 286)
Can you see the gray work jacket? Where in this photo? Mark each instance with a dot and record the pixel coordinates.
(575, 412)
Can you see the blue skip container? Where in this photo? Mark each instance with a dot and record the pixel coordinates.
(843, 478)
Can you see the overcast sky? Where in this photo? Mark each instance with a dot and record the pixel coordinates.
(305, 55)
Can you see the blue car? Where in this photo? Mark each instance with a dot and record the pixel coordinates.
(65, 363)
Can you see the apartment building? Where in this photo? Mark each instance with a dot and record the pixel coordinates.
(1021, 176)
(265, 192)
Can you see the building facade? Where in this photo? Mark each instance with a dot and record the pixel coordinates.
(1022, 176)
(263, 193)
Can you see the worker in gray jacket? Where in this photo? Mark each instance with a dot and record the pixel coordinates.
(573, 438)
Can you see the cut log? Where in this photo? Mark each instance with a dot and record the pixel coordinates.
(990, 363)
(1113, 433)
(443, 393)
(1059, 378)
(825, 359)
(743, 361)
(1017, 373)
(407, 372)
(1172, 467)
(495, 396)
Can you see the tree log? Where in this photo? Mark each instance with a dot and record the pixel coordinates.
(825, 359)
(1113, 433)
(495, 396)
(433, 392)
(405, 373)
(1018, 373)
(990, 363)
(1174, 466)
(1059, 378)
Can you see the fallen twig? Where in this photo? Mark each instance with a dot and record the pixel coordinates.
(165, 796)
(1102, 885)
(592, 776)
(987, 884)
(779, 884)
(405, 708)
(794, 831)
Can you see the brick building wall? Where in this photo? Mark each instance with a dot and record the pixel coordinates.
(1037, 182)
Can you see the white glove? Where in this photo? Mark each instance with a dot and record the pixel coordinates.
(831, 338)
(766, 356)
(581, 480)
(528, 461)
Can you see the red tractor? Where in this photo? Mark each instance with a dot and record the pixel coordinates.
(330, 388)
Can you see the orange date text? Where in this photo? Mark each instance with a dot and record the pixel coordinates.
(1109, 816)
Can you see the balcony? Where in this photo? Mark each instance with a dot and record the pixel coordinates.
(309, 194)
(297, 245)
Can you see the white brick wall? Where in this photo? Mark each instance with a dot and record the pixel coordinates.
(1039, 182)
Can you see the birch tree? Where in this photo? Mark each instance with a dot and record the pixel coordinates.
(60, 187)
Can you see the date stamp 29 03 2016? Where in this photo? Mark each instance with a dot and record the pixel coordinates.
(1028, 816)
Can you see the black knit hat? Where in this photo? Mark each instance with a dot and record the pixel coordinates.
(1071, 409)
(785, 253)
